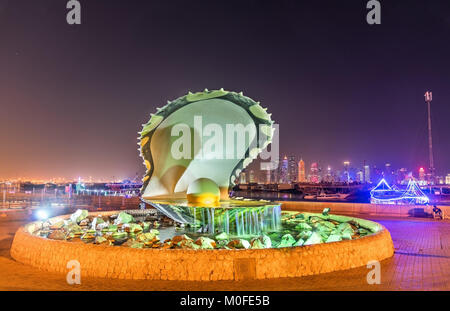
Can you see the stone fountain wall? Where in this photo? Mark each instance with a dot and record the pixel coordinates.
(198, 265)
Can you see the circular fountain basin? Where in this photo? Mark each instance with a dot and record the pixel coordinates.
(201, 265)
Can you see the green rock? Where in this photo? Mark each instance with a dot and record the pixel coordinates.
(328, 224)
(245, 244)
(300, 216)
(314, 219)
(256, 243)
(79, 215)
(326, 211)
(73, 228)
(222, 244)
(87, 237)
(143, 237)
(123, 218)
(303, 226)
(57, 235)
(97, 221)
(100, 240)
(205, 243)
(110, 228)
(305, 234)
(345, 228)
(266, 241)
(346, 236)
(333, 238)
(300, 242)
(222, 236)
(154, 231)
(119, 235)
(261, 242)
(239, 243)
(145, 226)
(189, 244)
(58, 224)
(134, 244)
(363, 231)
(286, 241)
(134, 228)
(315, 238)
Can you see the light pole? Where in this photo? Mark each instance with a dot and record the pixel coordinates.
(428, 99)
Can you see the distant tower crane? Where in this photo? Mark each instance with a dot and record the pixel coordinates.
(428, 99)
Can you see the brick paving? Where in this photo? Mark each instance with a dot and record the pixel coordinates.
(421, 262)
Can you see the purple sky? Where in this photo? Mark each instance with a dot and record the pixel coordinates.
(73, 98)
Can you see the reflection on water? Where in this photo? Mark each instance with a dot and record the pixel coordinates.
(271, 196)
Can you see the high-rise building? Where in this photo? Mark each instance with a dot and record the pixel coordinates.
(283, 171)
(359, 176)
(388, 173)
(251, 176)
(242, 178)
(268, 176)
(421, 174)
(292, 169)
(328, 177)
(346, 176)
(301, 171)
(367, 173)
(401, 175)
(376, 174)
(314, 177)
(447, 179)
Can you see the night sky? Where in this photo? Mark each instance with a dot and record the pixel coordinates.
(73, 98)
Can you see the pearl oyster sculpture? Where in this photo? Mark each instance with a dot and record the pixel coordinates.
(195, 148)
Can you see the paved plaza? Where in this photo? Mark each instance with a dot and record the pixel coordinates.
(421, 262)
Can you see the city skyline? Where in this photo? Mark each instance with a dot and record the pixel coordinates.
(316, 171)
(73, 98)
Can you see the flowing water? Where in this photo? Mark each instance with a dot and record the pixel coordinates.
(236, 221)
(234, 217)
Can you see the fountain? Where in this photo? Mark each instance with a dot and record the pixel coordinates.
(199, 232)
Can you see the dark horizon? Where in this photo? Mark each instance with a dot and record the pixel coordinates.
(74, 97)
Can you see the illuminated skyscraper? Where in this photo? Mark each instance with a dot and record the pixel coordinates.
(388, 173)
(292, 169)
(421, 174)
(346, 172)
(301, 171)
(314, 177)
(284, 174)
(367, 173)
(242, 178)
(447, 179)
(359, 176)
(328, 177)
(252, 178)
(268, 176)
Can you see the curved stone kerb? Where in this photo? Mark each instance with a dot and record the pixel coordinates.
(199, 265)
